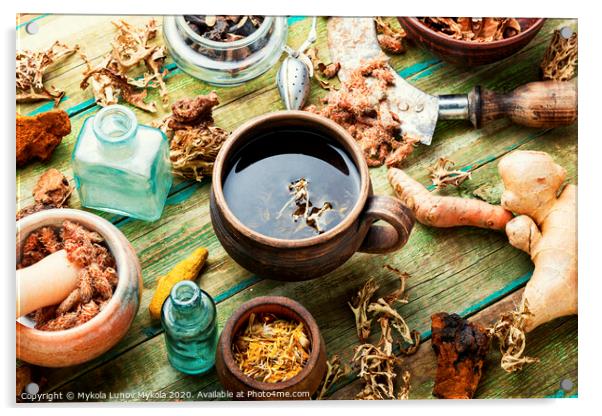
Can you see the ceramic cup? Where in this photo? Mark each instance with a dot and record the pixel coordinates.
(307, 258)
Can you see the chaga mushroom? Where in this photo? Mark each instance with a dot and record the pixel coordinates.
(461, 348)
(39, 135)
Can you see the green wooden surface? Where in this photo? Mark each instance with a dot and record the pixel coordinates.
(464, 270)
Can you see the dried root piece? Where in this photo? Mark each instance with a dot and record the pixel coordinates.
(377, 367)
(359, 306)
(131, 48)
(334, 371)
(476, 29)
(360, 107)
(51, 191)
(31, 67)
(194, 140)
(38, 136)
(559, 63)
(322, 71)
(445, 211)
(23, 378)
(390, 38)
(461, 348)
(442, 174)
(509, 330)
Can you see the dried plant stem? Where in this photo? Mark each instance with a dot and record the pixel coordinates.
(442, 174)
(334, 371)
(510, 333)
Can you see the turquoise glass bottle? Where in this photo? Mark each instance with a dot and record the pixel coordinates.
(189, 318)
(120, 166)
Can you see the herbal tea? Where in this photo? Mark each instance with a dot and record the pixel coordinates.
(291, 184)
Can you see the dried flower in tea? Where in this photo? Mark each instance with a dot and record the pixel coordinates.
(31, 67)
(131, 47)
(271, 349)
(475, 29)
(194, 139)
(304, 208)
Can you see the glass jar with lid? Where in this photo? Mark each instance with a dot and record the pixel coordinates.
(225, 63)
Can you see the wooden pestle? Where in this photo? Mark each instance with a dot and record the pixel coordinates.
(45, 283)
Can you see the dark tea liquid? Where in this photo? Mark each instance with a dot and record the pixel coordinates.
(263, 184)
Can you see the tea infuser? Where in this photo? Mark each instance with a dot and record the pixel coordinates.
(294, 75)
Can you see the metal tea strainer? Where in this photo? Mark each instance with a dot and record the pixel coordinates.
(294, 75)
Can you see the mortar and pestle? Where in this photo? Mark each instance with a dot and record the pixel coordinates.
(50, 280)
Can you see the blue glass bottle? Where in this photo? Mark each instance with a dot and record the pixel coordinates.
(120, 166)
(189, 318)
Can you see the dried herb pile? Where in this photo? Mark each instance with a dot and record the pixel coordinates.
(194, 139)
(51, 191)
(97, 276)
(31, 67)
(271, 349)
(377, 364)
(131, 48)
(224, 28)
(474, 29)
(360, 106)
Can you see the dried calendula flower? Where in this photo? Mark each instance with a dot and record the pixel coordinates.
(390, 38)
(559, 63)
(131, 48)
(31, 67)
(271, 349)
(194, 140)
(442, 174)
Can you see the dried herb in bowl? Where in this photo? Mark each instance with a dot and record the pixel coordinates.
(474, 29)
(271, 349)
(224, 28)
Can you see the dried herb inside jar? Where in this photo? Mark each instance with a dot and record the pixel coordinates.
(224, 28)
(271, 349)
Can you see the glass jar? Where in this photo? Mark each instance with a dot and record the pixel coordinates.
(225, 63)
(189, 318)
(120, 166)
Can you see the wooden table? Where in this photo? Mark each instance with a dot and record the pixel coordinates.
(469, 271)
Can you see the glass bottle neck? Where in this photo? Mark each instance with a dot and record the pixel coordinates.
(186, 301)
(115, 127)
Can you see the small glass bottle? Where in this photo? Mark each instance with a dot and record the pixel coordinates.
(120, 166)
(189, 318)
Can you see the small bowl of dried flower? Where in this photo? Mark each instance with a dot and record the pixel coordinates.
(471, 41)
(271, 348)
(106, 292)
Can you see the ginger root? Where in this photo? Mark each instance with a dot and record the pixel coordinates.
(445, 211)
(545, 228)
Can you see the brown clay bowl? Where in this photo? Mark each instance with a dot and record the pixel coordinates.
(247, 388)
(308, 258)
(89, 340)
(466, 53)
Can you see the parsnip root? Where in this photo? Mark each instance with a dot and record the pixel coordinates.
(445, 211)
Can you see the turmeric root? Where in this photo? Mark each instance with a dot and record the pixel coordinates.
(445, 211)
(545, 228)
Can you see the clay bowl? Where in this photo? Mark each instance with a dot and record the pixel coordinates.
(308, 258)
(246, 388)
(89, 340)
(465, 53)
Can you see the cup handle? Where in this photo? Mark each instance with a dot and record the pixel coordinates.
(386, 238)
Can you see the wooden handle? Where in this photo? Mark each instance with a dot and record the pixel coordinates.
(537, 104)
(384, 239)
